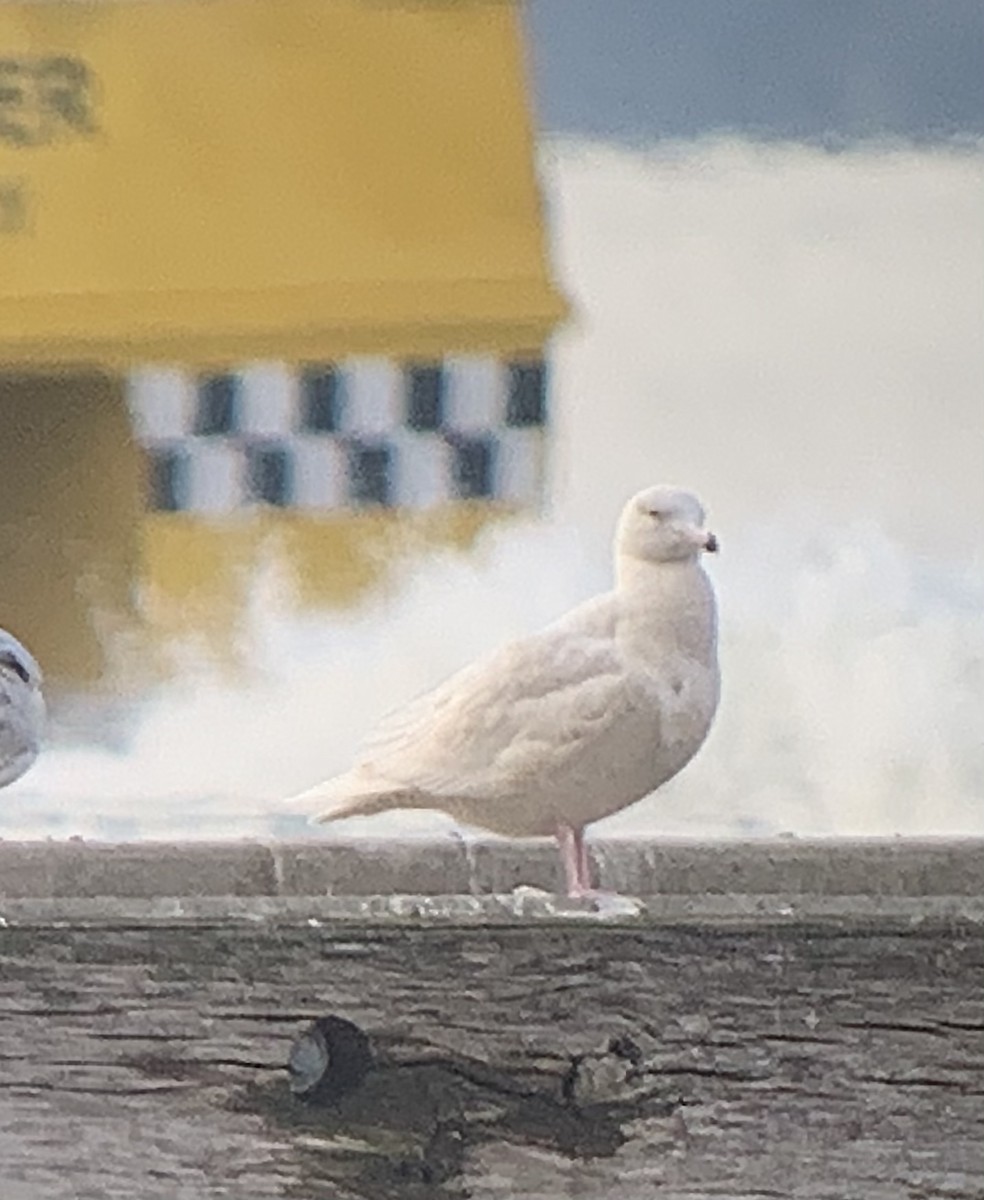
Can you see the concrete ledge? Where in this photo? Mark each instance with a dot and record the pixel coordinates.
(526, 908)
(877, 868)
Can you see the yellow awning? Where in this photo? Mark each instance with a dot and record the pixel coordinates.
(207, 181)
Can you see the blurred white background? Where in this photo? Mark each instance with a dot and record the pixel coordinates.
(792, 328)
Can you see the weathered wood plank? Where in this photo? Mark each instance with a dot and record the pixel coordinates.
(764, 1058)
(768, 1021)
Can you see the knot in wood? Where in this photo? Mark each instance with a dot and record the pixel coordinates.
(328, 1060)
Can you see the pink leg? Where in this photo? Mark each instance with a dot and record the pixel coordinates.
(585, 870)
(574, 856)
(569, 857)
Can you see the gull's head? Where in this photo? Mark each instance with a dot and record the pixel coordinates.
(17, 663)
(663, 524)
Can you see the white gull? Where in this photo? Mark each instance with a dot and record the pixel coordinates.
(561, 728)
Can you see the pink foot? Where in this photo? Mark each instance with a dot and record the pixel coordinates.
(578, 873)
(589, 894)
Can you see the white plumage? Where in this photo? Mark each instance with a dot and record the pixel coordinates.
(22, 711)
(558, 729)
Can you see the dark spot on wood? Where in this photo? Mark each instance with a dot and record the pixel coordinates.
(569, 1080)
(330, 1059)
(624, 1047)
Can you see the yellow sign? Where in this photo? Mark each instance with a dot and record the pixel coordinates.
(209, 181)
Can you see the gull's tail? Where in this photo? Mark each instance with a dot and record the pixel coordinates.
(354, 794)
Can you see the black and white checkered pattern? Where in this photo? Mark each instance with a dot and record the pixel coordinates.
(367, 431)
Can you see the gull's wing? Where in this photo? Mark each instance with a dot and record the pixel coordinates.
(526, 708)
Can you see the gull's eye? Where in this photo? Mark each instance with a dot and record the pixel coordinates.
(657, 514)
(15, 664)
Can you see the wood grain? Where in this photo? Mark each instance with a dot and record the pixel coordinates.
(818, 1056)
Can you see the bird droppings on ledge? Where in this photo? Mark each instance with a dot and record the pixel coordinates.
(492, 912)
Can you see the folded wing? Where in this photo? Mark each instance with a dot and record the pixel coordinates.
(531, 709)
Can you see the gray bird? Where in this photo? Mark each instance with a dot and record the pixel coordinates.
(22, 711)
(571, 724)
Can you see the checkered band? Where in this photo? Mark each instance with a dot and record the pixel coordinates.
(362, 432)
